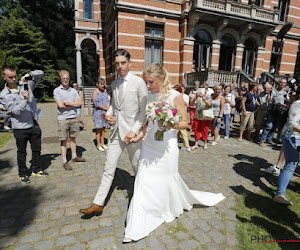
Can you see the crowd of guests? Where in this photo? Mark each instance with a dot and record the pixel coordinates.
(261, 110)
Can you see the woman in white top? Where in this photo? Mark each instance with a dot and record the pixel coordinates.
(229, 103)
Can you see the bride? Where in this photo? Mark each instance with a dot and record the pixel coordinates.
(160, 195)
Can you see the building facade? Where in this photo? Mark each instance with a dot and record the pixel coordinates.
(218, 40)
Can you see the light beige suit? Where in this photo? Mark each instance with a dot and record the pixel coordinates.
(130, 113)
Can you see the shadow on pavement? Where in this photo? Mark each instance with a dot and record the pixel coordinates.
(79, 151)
(5, 165)
(18, 204)
(45, 160)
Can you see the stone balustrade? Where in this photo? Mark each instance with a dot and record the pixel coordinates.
(237, 9)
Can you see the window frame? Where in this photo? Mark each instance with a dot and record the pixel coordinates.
(91, 16)
(152, 39)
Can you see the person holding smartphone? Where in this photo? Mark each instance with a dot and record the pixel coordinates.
(17, 97)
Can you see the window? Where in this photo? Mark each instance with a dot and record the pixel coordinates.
(283, 10)
(276, 55)
(227, 53)
(202, 50)
(249, 57)
(88, 9)
(154, 38)
(259, 3)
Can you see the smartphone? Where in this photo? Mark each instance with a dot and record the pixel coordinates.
(26, 86)
(28, 78)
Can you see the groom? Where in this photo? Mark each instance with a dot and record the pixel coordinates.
(126, 116)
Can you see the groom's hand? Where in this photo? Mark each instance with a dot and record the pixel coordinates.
(129, 137)
(110, 120)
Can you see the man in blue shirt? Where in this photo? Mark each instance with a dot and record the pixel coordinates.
(17, 97)
(67, 100)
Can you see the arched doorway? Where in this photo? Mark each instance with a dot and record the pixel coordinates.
(227, 53)
(202, 50)
(249, 57)
(90, 62)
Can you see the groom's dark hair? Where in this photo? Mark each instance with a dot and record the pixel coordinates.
(121, 52)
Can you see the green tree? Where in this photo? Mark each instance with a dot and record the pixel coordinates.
(26, 44)
(56, 20)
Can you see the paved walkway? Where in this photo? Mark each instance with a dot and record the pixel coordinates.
(44, 214)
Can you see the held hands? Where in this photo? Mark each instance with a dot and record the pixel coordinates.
(130, 136)
(111, 120)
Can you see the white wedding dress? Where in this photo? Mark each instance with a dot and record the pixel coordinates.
(160, 195)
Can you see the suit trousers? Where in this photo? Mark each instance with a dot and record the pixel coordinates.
(22, 136)
(114, 151)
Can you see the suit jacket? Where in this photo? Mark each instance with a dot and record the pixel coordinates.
(130, 111)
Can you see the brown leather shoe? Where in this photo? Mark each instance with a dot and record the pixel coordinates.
(67, 166)
(94, 209)
(78, 159)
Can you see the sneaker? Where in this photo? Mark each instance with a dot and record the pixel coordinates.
(101, 149)
(218, 138)
(25, 179)
(67, 166)
(272, 170)
(78, 159)
(214, 143)
(205, 146)
(40, 173)
(272, 143)
(6, 127)
(226, 137)
(262, 144)
(282, 200)
(194, 147)
(104, 146)
(188, 149)
(239, 139)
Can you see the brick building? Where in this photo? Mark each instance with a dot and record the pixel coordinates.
(218, 40)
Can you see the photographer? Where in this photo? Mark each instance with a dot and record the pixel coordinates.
(291, 142)
(18, 99)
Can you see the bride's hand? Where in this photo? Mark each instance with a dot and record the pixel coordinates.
(134, 140)
(164, 128)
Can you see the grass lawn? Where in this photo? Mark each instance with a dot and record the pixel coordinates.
(260, 219)
(4, 138)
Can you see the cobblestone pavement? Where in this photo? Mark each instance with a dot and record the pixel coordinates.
(44, 214)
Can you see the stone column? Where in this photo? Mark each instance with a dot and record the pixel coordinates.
(215, 55)
(186, 56)
(79, 67)
(238, 57)
(259, 68)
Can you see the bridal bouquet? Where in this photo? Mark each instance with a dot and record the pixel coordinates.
(162, 112)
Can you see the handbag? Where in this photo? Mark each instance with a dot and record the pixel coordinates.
(207, 114)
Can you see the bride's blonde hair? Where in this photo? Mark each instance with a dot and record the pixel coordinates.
(160, 73)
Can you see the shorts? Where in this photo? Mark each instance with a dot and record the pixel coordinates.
(67, 128)
(214, 121)
(247, 121)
